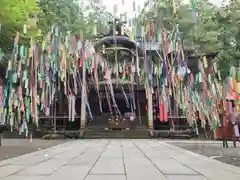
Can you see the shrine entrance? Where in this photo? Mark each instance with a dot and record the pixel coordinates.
(121, 116)
(106, 84)
(119, 103)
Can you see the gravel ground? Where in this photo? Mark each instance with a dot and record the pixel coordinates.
(213, 149)
(16, 147)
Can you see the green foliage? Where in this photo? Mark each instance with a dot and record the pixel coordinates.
(16, 11)
(216, 28)
(40, 16)
(229, 19)
(64, 14)
(13, 14)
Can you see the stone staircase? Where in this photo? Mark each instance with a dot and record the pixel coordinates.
(180, 134)
(94, 132)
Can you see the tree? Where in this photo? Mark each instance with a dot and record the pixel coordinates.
(64, 14)
(195, 30)
(204, 26)
(13, 14)
(40, 16)
(70, 15)
(206, 30)
(96, 18)
(229, 18)
(17, 11)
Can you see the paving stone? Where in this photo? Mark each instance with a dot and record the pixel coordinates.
(116, 160)
(106, 177)
(29, 161)
(45, 168)
(143, 172)
(188, 160)
(170, 166)
(89, 157)
(132, 153)
(131, 162)
(83, 160)
(186, 177)
(227, 167)
(72, 153)
(112, 152)
(215, 172)
(70, 172)
(9, 170)
(20, 177)
(108, 166)
(8, 161)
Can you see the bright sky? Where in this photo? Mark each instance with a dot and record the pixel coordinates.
(128, 5)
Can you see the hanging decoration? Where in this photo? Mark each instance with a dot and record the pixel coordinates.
(36, 74)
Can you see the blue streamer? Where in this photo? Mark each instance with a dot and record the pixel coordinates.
(130, 99)
(88, 106)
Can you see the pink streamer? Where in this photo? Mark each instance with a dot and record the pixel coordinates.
(21, 98)
(192, 79)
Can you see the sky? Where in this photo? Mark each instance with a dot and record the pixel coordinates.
(128, 5)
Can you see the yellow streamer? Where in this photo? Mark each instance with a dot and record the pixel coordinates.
(205, 64)
(147, 28)
(238, 87)
(132, 35)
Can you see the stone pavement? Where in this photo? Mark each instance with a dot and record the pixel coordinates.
(115, 160)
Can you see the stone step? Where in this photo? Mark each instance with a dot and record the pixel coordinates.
(173, 134)
(109, 132)
(99, 133)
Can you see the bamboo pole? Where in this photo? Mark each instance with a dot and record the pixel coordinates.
(150, 109)
(222, 114)
(83, 104)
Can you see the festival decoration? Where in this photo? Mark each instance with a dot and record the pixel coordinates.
(35, 74)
